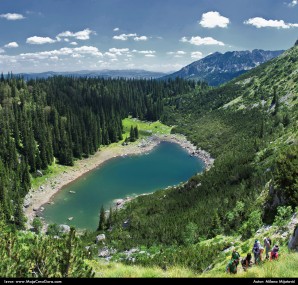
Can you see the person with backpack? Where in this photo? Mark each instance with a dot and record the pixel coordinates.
(246, 261)
(232, 267)
(274, 252)
(235, 256)
(267, 245)
(256, 251)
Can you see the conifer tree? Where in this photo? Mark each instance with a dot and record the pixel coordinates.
(102, 219)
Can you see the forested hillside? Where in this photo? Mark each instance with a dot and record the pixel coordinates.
(65, 118)
(250, 127)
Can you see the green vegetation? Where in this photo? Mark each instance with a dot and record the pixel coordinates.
(249, 126)
(254, 142)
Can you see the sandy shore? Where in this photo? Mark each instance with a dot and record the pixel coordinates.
(37, 197)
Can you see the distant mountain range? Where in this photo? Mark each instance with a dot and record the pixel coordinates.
(129, 73)
(219, 68)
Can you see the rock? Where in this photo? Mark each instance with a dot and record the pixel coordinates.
(35, 209)
(26, 203)
(293, 243)
(64, 228)
(73, 192)
(41, 188)
(101, 237)
(70, 218)
(39, 173)
(104, 252)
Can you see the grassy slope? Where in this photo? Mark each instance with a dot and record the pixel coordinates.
(247, 92)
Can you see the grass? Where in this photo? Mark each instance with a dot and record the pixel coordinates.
(284, 267)
(118, 270)
(52, 171)
(145, 128)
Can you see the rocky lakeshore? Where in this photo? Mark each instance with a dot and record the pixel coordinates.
(36, 198)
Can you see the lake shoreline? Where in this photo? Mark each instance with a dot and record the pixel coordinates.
(37, 198)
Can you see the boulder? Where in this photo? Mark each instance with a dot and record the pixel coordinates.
(39, 173)
(101, 237)
(293, 243)
(26, 203)
(64, 229)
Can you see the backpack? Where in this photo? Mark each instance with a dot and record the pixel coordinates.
(269, 240)
(243, 261)
(256, 248)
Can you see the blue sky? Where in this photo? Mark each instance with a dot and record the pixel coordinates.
(156, 35)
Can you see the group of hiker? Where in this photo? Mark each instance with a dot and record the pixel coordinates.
(257, 250)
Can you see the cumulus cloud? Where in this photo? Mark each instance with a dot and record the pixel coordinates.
(39, 40)
(73, 43)
(83, 50)
(116, 29)
(144, 51)
(80, 35)
(12, 16)
(150, 55)
(196, 54)
(213, 19)
(198, 41)
(263, 23)
(141, 38)
(12, 45)
(114, 52)
(2, 50)
(124, 37)
(119, 51)
(293, 3)
(178, 53)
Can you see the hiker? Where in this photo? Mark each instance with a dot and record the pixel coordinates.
(267, 245)
(260, 257)
(246, 261)
(274, 252)
(235, 256)
(256, 251)
(232, 267)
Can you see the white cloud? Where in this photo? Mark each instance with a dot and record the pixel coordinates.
(150, 55)
(80, 35)
(114, 52)
(88, 50)
(198, 41)
(118, 51)
(178, 53)
(12, 45)
(293, 3)
(83, 50)
(77, 55)
(213, 19)
(196, 54)
(110, 54)
(141, 38)
(12, 16)
(116, 29)
(144, 51)
(73, 43)
(263, 23)
(39, 40)
(2, 50)
(124, 37)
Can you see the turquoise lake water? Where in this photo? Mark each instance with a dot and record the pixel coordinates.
(167, 164)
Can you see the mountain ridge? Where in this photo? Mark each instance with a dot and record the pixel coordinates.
(218, 68)
(104, 73)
